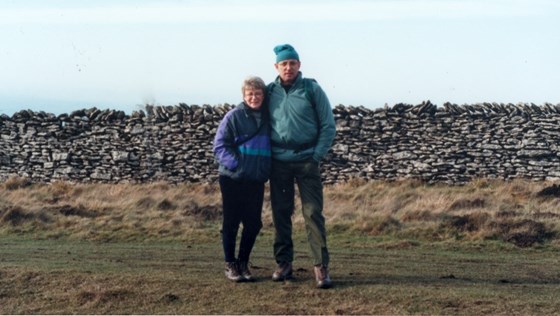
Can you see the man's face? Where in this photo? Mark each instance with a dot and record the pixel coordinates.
(288, 70)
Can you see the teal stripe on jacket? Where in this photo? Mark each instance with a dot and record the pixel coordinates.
(254, 151)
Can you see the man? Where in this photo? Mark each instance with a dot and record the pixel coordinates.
(303, 130)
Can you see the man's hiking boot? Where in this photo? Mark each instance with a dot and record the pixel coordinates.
(232, 272)
(245, 272)
(322, 277)
(283, 272)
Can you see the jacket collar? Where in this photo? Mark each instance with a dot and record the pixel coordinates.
(248, 109)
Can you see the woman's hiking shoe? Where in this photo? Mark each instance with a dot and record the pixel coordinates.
(244, 271)
(232, 272)
(322, 277)
(283, 272)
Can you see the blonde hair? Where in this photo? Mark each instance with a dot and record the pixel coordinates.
(253, 82)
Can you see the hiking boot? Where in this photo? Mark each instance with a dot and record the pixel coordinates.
(322, 277)
(244, 271)
(232, 273)
(283, 272)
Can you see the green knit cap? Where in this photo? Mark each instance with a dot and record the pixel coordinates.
(284, 52)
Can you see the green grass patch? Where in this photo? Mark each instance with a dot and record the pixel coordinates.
(372, 275)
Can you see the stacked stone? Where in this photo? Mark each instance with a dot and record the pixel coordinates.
(451, 144)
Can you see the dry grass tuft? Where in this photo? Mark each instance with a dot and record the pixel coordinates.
(520, 232)
(550, 192)
(507, 214)
(381, 225)
(524, 233)
(205, 212)
(419, 216)
(546, 215)
(145, 203)
(166, 205)
(408, 209)
(14, 183)
(469, 222)
(80, 211)
(15, 216)
(467, 204)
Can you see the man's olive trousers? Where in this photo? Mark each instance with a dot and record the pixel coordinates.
(307, 176)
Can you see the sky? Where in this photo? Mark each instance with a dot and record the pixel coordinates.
(61, 56)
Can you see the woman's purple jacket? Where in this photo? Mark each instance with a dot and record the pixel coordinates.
(242, 147)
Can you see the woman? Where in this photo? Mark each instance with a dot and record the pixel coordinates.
(242, 150)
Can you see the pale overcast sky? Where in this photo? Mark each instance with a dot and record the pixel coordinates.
(60, 56)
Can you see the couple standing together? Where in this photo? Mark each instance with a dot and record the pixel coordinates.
(279, 132)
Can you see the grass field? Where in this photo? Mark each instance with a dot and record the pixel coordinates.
(396, 248)
(371, 277)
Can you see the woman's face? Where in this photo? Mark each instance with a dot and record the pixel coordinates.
(253, 97)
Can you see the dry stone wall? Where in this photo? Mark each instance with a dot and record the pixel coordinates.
(451, 144)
